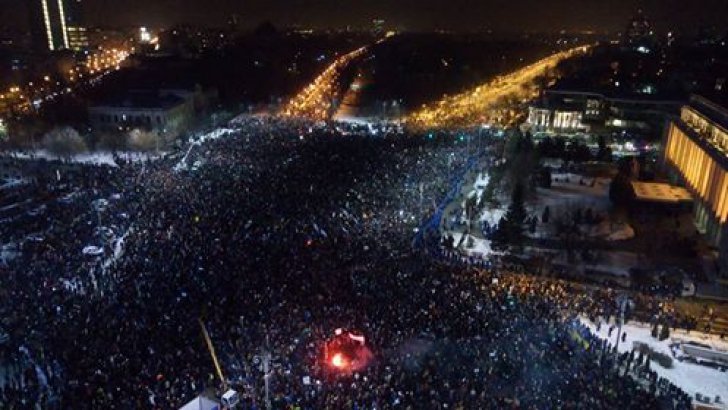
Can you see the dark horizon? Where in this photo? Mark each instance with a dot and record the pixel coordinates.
(412, 15)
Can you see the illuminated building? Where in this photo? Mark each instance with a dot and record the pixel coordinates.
(563, 119)
(377, 26)
(57, 25)
(144, 35)
(639, 34)
(77, 38)
(75, 26)
(168, 112)
(696, 152)
(560, 110)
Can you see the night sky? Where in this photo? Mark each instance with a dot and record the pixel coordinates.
(499, 15)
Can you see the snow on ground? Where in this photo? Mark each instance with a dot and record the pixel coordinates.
(572, 189)
(481, 247)
(692, 378)
(479, 186)
(97, 158)
(492, 216)
(12, 183)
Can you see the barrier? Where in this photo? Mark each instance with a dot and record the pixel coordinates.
(433, 224)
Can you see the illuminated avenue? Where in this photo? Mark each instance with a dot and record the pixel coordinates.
(480, 105)
(256, 215)
(314, 101)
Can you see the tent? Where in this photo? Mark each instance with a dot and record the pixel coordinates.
(201, 403)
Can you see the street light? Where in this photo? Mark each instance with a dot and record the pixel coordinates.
(622, 300)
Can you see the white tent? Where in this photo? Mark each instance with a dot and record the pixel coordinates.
(201, 403)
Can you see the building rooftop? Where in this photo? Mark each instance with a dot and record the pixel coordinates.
(660, 192)
(714, 108)
(152, 99)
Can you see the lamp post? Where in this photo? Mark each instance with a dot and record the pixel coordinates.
(265, 359)
(622, 300)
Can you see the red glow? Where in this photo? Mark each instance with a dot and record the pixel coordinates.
(338, 361)
(346, 352)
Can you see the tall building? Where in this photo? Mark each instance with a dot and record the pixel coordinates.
(696, 152)
(639, 34)
(57, 25)
(76, 25)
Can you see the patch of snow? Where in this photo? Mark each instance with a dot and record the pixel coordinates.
(492, 216)
(692, 378)
(96, 158)
(13, 182)
(481, 247)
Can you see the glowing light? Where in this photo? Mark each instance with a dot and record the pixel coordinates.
(144, 35)
(314, 101)
(488, 103)
(63, 23)
(338, 361)
(47, 21)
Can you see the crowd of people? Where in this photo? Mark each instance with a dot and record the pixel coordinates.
(271, 236)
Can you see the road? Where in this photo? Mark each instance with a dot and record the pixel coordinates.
(315, 100)
(483, 104)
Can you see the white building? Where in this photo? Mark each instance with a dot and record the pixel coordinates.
(555, 120)
(168, 112)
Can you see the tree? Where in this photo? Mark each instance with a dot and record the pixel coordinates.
(604, 153)
(63, 142)
(470, 242)
(522, 160)
(665, 332)
(22, 133)
(143, 140)
(577, 152)
(544, 177)
(546, 215)
(510, 227)
(113, 141)
(547, 148)
(560, 148)
(620, 190)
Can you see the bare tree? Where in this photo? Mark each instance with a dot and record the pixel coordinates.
(113, 141)
(143, 140)
(63, 142)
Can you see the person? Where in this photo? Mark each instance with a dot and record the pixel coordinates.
(271, 241)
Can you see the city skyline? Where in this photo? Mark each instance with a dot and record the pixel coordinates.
(457, 15)
(332, 204)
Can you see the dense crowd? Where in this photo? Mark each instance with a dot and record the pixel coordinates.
(272, 236)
